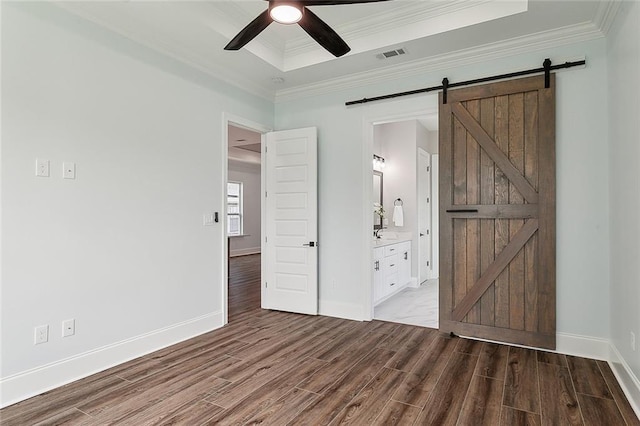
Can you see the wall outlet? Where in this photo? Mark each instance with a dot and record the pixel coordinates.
(41, 334)
(68, 170)
(42, 167)
(632, 340)
(68, 327)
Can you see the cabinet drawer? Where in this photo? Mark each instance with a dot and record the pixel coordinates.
(391, 250)
(391, 282)
(391, 264)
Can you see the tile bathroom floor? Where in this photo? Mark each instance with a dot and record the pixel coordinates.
(414, 306)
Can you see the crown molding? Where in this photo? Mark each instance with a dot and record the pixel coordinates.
(402, 15)
(174, 52)
(606, 14)
(491, 51)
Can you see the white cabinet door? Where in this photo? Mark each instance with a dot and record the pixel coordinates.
(378, 274)
(404, 267)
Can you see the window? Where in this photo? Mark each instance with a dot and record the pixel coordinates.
(234, 208)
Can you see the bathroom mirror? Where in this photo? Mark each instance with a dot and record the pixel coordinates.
(377, 197)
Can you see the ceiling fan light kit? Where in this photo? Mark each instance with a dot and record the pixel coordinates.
(292, 12)
(285, 12)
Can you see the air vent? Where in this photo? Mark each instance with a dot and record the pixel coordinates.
(391, 53)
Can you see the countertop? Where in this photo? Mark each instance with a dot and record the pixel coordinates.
(388, 241)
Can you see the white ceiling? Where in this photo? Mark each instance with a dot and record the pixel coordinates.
(431, 31)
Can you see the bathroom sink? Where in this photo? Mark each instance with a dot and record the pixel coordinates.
(389, 236)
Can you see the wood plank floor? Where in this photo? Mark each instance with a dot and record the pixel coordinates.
(244, 285)
(277, 368)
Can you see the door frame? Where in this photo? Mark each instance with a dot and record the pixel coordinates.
(228, 118)
(406, 110)
(429, 271)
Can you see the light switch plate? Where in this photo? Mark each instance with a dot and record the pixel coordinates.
(42, 167)
(68, 170)
(41, 334)
(208, 219)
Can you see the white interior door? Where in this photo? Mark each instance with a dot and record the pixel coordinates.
(290, 253)
(425, 254)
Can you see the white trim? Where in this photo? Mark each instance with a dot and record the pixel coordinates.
(402, 110)
(413, 283)
(606, 14)
(170, 49)
(595, 348)
(582, 346)
(628, 381)
(568, 344)
(237, 121)
(350, 311)
(460, 58)
(244, 251)
(367, 220)
(26, 384)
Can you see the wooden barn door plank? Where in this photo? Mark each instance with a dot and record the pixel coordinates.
(497, 207)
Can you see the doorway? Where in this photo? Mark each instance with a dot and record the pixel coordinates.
(408, 147)
(242, 217)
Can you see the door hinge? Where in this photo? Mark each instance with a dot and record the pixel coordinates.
(428, 168)
(428, 200)
(266, 284)
(265, 239)
(265, 194)
(428, 263)
(427, 232)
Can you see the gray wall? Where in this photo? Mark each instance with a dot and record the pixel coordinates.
(623, 47)
(122, 248)
(582, 181)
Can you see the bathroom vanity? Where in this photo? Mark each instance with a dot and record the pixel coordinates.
(391, 268)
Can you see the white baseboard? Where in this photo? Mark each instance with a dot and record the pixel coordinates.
(582, 346)
(628, 381)
(602, 349)
(33, 382)
(244, 252)
(414, 283)
(349, 311)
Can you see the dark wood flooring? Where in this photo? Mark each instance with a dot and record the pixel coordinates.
(244, 285)
(278, 368)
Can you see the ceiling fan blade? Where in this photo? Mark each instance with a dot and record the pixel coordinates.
(323, 34)
(249, 32)
(336, 2)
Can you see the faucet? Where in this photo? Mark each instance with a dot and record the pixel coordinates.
(376, 233)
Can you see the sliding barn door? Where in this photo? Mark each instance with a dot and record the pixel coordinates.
(497, 212)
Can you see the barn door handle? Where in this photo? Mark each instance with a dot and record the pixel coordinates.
(462, 211)
(310, 244)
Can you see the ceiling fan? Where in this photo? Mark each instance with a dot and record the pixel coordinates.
(292, 12)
